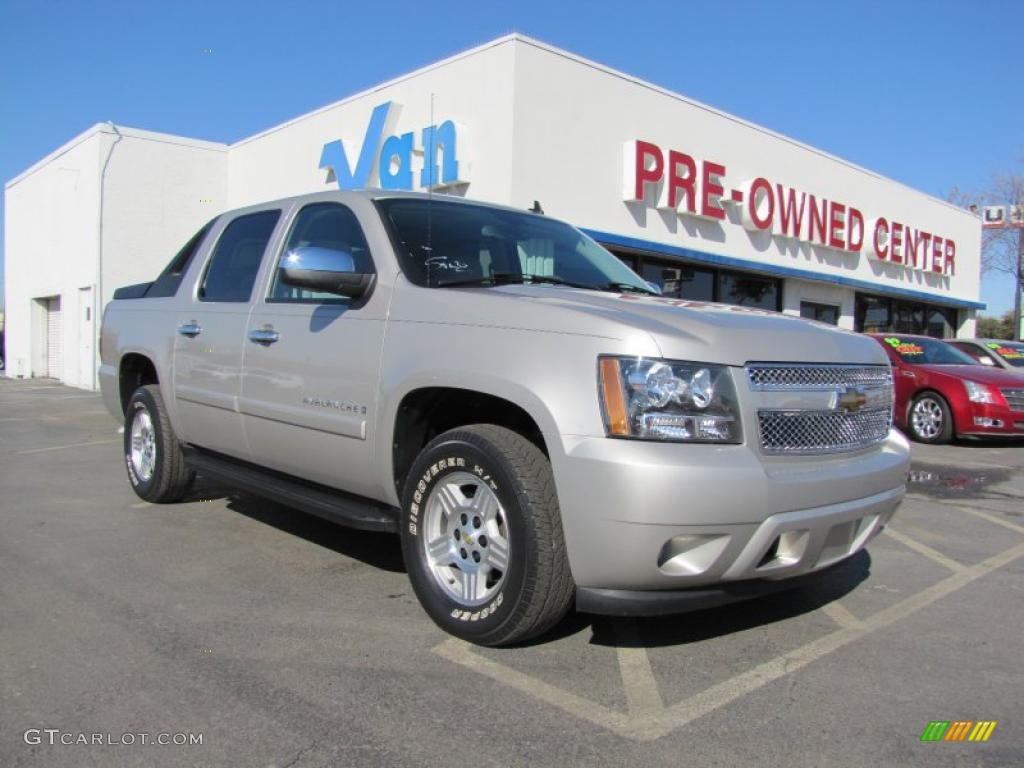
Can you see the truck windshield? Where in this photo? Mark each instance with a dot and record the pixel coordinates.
(921, 351)
(445, 244)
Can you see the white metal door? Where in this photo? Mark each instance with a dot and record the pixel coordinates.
(86, 361)
(54, 351)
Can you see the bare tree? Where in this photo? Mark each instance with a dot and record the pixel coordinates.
(1002, 248)
(999, 247)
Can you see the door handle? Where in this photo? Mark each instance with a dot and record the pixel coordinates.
(264, 335)
(190, 329)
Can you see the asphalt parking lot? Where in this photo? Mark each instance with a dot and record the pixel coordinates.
(286, 641)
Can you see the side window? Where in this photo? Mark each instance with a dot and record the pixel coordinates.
(323, 225)
(169, 280)
(236, 259)
(977, 353)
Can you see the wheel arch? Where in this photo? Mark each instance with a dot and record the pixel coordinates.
(134, 370)
(424, 412)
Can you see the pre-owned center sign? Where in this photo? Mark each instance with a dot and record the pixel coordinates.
(678, 182)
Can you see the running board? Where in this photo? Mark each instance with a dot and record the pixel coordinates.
(331, 504)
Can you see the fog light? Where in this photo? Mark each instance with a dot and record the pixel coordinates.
(985, 421)
(787, 549)
(691, 555)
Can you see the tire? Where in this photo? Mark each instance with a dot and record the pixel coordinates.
(930, 420)
(156, 466)
(494, 490)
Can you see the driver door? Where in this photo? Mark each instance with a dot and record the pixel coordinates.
(309, 381)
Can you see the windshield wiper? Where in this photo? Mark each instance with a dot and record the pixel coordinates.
(626, 288)
(506, 278)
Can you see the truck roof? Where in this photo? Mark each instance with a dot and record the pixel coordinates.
(377, 194)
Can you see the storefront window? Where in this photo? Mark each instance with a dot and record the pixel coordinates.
(680, 281)
(697, 284)
(941, 323)
(875, 314)
(748, 290)
(664, 277)
(908, 318)
(823, 313)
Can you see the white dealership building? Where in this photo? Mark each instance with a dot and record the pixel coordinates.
(709, 206)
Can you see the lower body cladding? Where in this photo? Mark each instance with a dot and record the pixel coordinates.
(665, 528)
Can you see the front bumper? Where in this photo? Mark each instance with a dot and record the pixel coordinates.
(646, 516)
(983, 419)
(813, 540)
(661, 602)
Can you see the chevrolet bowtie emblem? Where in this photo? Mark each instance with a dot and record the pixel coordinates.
(851, 400)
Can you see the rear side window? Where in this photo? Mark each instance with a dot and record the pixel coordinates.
(169, 280)
(236, 259)
(324, 225)
(979, 354)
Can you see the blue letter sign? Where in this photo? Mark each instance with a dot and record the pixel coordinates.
(387, 161)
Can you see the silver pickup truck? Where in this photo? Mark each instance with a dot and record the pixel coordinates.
(538, 425)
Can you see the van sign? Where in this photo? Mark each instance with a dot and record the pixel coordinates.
(393, 161)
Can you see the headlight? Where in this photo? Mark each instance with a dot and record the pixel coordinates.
(668, 400)
(979, 393)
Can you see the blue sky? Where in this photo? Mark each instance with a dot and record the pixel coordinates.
(927, 93)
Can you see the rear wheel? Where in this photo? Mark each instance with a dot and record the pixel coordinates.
(930, 419)
(482, 536)
(156, 466)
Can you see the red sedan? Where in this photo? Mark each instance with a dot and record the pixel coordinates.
(942, 392)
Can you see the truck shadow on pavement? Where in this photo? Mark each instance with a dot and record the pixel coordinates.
(999, 442)
(698, 626)
(379, 550)
(382, 550)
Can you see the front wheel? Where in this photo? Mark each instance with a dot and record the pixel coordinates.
(482, 536)
(152, 454)
(930, 419)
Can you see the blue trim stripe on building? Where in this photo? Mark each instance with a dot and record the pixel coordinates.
(772, 269)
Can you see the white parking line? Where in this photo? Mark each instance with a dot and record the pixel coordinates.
(50, 399)
(649, 723)
(69, 445)
(924, 549)
(638, 681)
(842, 616)
(729, 690)
(459, 652)
(986, 516)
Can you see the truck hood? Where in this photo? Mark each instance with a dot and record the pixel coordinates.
(688, 330)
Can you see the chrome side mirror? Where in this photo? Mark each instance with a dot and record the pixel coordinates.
(324, 269)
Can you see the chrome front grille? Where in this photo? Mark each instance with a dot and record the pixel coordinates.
(779, 376)
(848, 407)
(796, 432)
(1014, 398)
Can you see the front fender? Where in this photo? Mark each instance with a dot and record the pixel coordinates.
(551, 376)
